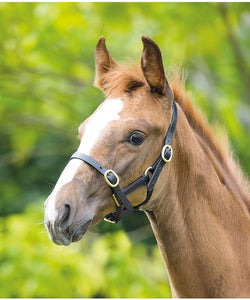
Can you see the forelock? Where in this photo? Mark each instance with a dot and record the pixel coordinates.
(122, 78)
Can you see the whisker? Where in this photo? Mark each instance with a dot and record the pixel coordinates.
(50, 183)
(41, 221)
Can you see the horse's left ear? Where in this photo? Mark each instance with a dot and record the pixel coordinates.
(153, 70)
(104, 62)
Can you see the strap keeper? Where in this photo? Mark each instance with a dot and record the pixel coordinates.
(116, 201)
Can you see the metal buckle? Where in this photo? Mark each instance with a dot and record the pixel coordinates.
(166, 147)
(113, 185)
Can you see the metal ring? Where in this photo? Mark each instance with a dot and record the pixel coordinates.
(113, 185)
(147, 170)
(166, 147)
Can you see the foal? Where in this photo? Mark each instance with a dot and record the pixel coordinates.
(198, 206)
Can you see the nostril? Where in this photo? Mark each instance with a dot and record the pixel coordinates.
(64, 220)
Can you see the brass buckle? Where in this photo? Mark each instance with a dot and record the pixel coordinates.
(166, 147)
(113, 185)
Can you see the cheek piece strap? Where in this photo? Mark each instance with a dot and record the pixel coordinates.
(148, 179)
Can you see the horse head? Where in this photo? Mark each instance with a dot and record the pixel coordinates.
(125, 134)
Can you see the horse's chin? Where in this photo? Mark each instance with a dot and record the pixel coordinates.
(70, 235)
(79, 233)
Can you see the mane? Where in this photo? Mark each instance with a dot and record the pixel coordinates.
(126, 77)
(219, 145)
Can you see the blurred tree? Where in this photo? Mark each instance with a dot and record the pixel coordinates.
(47, 70)
(32, 267)
(46, 75)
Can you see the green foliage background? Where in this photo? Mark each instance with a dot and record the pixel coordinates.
(46, 75)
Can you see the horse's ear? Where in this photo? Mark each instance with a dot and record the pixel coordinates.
(153, 70)
(104, 62)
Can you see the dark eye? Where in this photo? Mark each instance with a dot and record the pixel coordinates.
(136, 138)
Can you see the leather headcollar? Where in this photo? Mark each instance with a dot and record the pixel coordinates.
(120, 195)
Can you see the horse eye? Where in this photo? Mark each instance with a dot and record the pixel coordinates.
(136, 138)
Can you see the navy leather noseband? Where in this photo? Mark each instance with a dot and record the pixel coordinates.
(120, 195)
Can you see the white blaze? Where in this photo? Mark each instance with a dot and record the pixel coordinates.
(107, 112)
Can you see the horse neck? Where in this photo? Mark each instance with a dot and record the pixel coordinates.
(193, 219)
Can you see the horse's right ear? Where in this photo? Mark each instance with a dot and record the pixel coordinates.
(104, 63)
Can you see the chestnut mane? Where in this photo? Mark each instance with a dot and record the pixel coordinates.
(220, 148)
